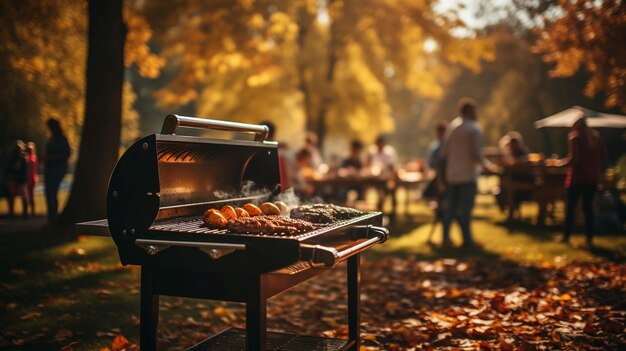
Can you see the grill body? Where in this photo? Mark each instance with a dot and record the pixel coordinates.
(157, 194)
(169, 176)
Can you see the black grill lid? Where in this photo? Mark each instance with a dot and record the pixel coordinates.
(166, 175)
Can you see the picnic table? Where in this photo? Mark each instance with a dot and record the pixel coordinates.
(385, 184)
(542, 183)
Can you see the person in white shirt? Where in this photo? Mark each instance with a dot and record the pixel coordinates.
(382, 161)
(382, 158)
(463, 160)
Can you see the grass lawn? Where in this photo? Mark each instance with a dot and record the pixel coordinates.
(521, 241)
(61, 291)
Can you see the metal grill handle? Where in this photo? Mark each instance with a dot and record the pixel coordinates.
(172, 122)
(324, 256)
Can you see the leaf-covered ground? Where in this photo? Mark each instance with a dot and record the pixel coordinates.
(522, 292)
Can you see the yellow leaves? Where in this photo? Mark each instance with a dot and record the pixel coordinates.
(257, 80)
(225, 314)
(256, 22)
(589, 35)
(360, 108)
(282, 28)
(247, 4)
(45, 53)
(567, 62)
(565, 297)
(136, 49)
(229, 44)
(170, 98)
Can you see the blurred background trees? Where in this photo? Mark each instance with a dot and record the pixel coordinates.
(342, 68)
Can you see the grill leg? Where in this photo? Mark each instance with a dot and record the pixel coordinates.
(255, 318)
(149, 316)
(354, 301)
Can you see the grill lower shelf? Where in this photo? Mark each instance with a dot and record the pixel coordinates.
(235, 339)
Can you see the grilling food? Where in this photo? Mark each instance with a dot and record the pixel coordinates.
(241, 212)
(284, 209)
(272, 224)
(323, 213)
(269, 208)
(228, 212)
(221, 218)
(252, 210)
(213, 218)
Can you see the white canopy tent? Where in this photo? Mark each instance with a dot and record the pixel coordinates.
(595, 119)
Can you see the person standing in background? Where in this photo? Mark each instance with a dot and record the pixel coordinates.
(462, 159)
(586, 158)
(31, 175)
(382, 161)
(353, 163)
(55, 166)
(290, 176)
(352, 166)
(433, 154)
(432, 191)
(15, 175)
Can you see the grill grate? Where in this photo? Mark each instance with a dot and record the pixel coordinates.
(186, 225)
(195, 225)
(235, 339)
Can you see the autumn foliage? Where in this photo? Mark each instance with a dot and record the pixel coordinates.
(588, 35)
(447, 305)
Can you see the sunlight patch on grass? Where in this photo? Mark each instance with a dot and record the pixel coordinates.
(85, 246)
(522, 241)
(517, 245)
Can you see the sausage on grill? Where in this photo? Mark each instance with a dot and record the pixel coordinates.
(269, 225)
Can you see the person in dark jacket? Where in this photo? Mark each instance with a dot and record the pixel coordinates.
(586, 158)
(15, 176)
(55, 166)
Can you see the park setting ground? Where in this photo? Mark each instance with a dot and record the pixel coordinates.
(156, 111)
(522, 291)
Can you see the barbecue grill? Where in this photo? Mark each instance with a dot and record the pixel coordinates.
(157, 194)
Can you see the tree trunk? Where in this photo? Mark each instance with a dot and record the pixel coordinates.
(305, 21)
(100, 140)
(334, 45)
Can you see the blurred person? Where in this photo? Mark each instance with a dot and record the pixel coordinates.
(303, 161)
(290, 176)
(32, 177)
(311, 142)
(463, 158)
(382, 161)
(15, 174)
(432, 191)
(433, 154)
(586, 158)
(55, 166)
(382, 158)
(515, 150)
(352, 165)
(354, 162)
(517, 171)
